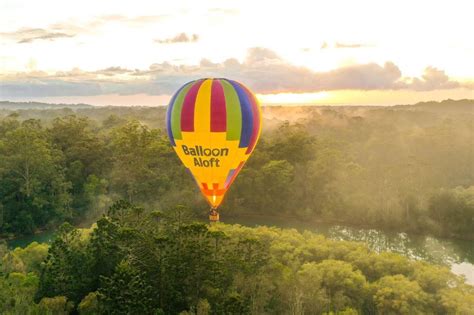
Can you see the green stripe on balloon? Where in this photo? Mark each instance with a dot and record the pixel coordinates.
(177, 109)
(233, 111)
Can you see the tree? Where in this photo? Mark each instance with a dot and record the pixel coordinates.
(453, 211)
(16, 293)
(127, 292)
(33, 189)
(89, 305)
(457, 301)
(332, 285)
(105, 248)
(84, 152)
(57, 305)
(140, 159)
(67, 269)
(26, 259)
(398, 295)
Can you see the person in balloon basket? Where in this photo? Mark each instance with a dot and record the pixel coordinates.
(213, 215)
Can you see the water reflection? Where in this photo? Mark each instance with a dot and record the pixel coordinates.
(427, 248)
(457, 254)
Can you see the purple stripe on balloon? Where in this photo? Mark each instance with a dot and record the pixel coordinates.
(229, 178)
(235, 173)
(256, 120)
(247, 119)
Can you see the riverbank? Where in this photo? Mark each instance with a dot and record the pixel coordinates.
(457, 254)
(313, 221)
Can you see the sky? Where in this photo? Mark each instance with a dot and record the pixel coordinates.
(288, 52)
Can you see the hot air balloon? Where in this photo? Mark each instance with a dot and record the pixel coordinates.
(213, 126)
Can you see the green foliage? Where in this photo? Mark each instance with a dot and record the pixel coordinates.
(331, 285)
(67, 267)
(139, 262)
(127, 292)
(89, 305)
(453, 210)
(57, 305)
(33, 189)
(394, 168)
(73, 170)
(398, 295)
(26, 259)
(457, 301)
(140, 157)
(16, 293)
(404, 168)
(85, 154)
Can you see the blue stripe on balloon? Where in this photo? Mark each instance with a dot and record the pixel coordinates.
(168, 115)
(247, 118)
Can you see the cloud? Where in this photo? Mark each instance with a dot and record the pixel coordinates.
(340, 45)
(433, 79)
(179, 38)
(67, 29)
(347, 45)
(28, 35)
(111, 71)
(259, 55)
(135, 20)
(49, 88)
(262, 70)
(146, 19)
(266, 72)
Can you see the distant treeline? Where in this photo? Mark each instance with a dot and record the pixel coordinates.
(407, 168)
(138, 262)
(38, 105)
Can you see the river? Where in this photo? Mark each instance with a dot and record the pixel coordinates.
(457, 254)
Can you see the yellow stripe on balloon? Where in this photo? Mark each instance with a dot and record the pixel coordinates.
(202, 109)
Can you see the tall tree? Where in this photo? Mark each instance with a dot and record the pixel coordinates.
(33, 188)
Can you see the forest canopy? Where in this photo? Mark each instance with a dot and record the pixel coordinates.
(406, 168)
(134, 262)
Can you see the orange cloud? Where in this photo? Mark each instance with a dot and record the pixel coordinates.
(262, 70)
(179, 38)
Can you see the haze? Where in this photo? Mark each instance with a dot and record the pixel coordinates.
(293, 52)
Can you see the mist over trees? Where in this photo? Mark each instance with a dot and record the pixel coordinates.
(407, 168)
(404, 168)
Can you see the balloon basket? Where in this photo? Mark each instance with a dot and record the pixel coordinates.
(213, 216)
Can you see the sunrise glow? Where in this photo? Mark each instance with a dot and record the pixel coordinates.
(140, 52)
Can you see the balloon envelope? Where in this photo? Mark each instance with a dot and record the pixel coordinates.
(214, 125)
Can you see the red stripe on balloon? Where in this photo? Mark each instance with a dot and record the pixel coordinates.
(256, 120)
(218, 111)
(187, 113)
